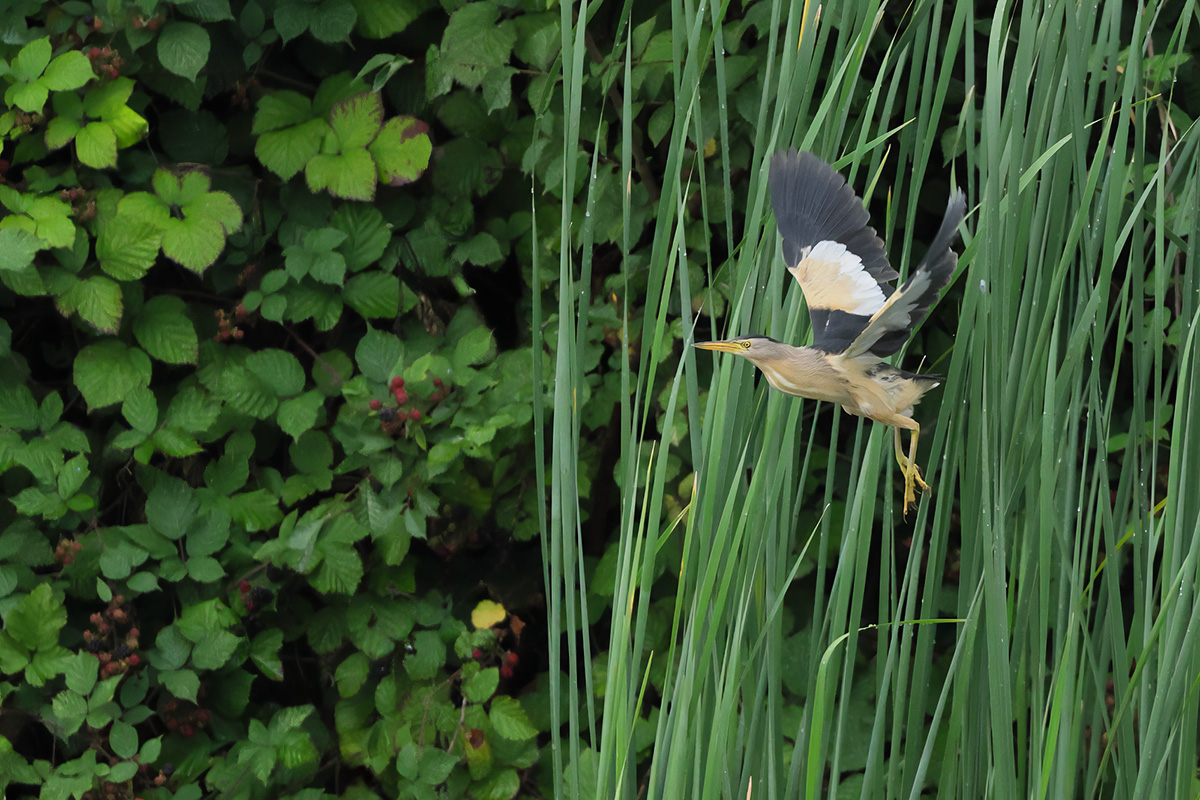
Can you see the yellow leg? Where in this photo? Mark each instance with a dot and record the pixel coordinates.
(912, 474)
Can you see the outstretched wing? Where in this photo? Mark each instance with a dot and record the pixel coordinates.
(829, 247)
(891, 325)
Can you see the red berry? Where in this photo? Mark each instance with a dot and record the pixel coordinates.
(76, 547)
(397, 383)
(134, 660)
(203, 714)
(153, 23)
(512, 659)
(172, 723)
(375, 405)
(476, 654)
(438, 383)
(401, 397)
(93, 53)
(506, 672)
(414, 415)
(68, 560)
(244, 585)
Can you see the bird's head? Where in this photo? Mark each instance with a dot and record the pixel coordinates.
(758, 350)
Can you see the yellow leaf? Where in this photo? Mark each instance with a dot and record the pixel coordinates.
(487, 614)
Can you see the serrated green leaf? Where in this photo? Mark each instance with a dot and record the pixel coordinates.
(70, 70)
(349, 175)
(71, 710)
(278, 369)
(286, 152)
(509, 720)
(264, 652)
(171, 507)
(164, 330)
(126, 247)
(183, 48)
(123, 740)
(356, 120)
(182, 683)
(373, 294)
(482, 249)
(378, 355)
(35, 622)
(18, 409)
(60, 131)
(31, 60)
(333, 21)
(204, 569)
(482, 685)
(108, 370)
(472, 348)
(17, 248)
(401, 150)
(193, 243)
(428, 658)
(96, 145)
(299, 414)
(104, 99)
(98, 300)
(280, 110)
(81, 673)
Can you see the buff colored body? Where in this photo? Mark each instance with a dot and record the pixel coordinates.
(858, 317)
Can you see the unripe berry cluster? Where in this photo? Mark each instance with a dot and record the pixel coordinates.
(113, 639)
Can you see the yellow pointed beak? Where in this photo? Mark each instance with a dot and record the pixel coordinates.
(726, 346)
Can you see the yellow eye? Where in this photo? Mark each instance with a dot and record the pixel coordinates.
(745, 345)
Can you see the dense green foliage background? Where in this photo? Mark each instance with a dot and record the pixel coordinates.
(351, 446)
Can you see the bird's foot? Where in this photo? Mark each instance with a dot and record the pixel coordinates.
(912, 479)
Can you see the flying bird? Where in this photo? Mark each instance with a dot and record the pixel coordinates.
(858, 317)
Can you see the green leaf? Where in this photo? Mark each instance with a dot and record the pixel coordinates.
(123, 739)
(17, 248)
(380, 20)
(193, 243)
(81, 672)
(378, 355)
(31, 60)
(60, 131)
(71, 710)
(205, 569)
(35, 622)
(292, 19)
(280, 110)
(286, 152)
(18, 409)
(356, 120)
(481, 249)
(127, 247)
(333, 21)
(183, 48)
(164, 330)
(509, 719)
(108, 370)
(300, 413)
(401, 150)
(373, 294)
(105, 99)
(264, 652)
(278, 369)
(429, 657)
(96, 145)
(475, 41)
(182, 683)
(472, 348)
(98, 301)
(171, 507)
(367, 234)
(482, 685)
(70, 70)
(349, 175)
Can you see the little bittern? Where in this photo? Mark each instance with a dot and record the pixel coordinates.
(858, 317)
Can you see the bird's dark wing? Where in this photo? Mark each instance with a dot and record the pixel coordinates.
(829, 248)
(891, 325)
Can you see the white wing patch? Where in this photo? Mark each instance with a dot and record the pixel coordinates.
(894, 315)
(834, 278)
